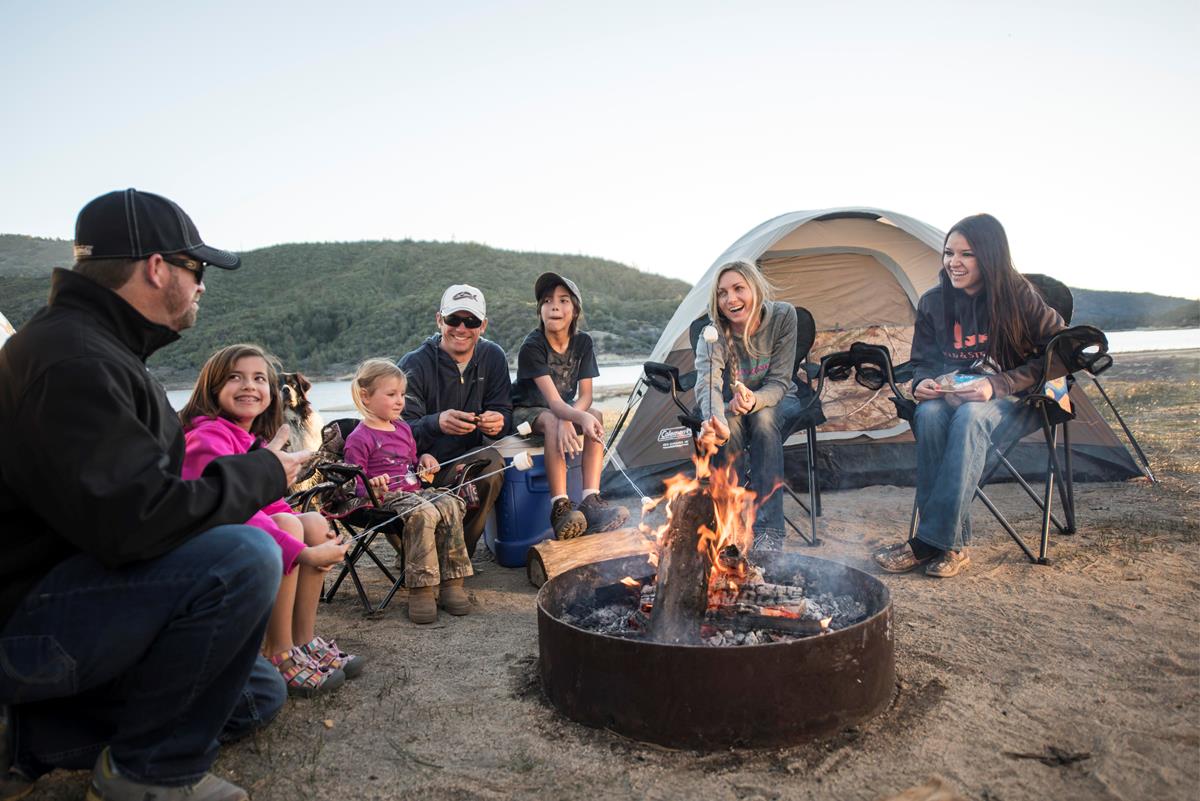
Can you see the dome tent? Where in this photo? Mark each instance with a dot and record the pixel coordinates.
(860, 271)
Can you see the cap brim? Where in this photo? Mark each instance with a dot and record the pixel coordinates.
(217, 258)
(449, 310)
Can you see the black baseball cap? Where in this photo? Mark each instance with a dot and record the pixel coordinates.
(547, 281)
(128, 224)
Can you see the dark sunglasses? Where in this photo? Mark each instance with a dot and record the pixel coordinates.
(454, 321)
(196, 267)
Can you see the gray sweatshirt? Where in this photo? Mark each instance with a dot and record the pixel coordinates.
(769, 373)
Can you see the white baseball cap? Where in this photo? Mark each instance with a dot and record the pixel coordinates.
(465, 298)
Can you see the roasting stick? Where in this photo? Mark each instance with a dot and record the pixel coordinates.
(522, 461)
(523, 430)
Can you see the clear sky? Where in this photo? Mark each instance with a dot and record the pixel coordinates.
(652, 133)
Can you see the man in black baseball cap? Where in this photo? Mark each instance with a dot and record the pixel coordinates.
(132, 602)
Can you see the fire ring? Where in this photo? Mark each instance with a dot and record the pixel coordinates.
(697, 696)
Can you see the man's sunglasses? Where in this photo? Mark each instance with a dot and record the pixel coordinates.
(454, 321)
(190, 265)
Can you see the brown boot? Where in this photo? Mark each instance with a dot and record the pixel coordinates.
(422, 608)
(453, 598)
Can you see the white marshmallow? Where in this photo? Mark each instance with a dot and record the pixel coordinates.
(523, 461)
(709, 333)
(525, 429)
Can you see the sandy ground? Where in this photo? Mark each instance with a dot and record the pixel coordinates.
(1095, 658)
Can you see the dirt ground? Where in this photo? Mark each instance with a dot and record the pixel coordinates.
(1091, 663)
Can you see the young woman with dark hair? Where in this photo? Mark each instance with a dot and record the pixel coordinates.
(973, 341)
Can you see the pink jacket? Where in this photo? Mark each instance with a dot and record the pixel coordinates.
(210, 437)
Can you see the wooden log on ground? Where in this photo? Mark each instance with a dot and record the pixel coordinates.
(549, 558)
(681, 592)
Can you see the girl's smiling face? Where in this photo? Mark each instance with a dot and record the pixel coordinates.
(246, 392)
(386, 399)
(735, 299)
(557, 310)
(960, 264)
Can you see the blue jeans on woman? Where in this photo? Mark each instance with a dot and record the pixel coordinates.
(952, 447)
(763, 433)
(156, 659)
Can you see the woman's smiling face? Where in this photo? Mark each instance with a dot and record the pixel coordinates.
(735, 299)
(961, 265)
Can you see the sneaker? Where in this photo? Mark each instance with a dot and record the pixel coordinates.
(948, 564)
(568, 522)
(109, 785)
(13, 783)
(898, 558)
(304, 676)
(602, 515)
(327, 654)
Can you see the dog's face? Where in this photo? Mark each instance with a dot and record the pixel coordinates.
(293, 390)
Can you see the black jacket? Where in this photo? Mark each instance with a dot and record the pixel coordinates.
(937, 348)
(91, 451)
(435, 385)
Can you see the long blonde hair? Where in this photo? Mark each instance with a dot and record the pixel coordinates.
(761, 289)
(367, 375)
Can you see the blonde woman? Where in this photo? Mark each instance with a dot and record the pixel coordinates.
(744, 386)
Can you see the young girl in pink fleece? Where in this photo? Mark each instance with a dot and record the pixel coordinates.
(236, 404)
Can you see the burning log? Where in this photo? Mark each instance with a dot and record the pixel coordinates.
(549, 558)
(681, 594)
(782, 624)
(751, 598)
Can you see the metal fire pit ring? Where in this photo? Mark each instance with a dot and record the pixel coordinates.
(707, 697)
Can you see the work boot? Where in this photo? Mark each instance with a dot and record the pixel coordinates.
(453, 598)
(422, 606)
(109, 785)
(602, 515)
(568, 523)
(13, 783)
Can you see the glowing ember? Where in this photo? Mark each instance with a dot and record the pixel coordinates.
(629, 581)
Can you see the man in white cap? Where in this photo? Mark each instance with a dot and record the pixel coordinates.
(459, 391)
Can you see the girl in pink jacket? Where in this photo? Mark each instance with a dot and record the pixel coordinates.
(234, 405)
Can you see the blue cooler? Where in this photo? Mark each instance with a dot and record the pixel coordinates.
(521, 516)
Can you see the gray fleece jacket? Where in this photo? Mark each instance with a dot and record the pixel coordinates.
(768, 374)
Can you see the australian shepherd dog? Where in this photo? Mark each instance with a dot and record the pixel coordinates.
(305, 421)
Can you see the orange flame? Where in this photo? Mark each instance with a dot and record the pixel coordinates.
(629, 581)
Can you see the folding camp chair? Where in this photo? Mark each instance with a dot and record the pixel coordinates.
(1070, 351)
(666, 378)
(361, 519)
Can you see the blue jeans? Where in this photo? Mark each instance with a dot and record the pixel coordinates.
(155, 659)
(763, 433)
(952, 447)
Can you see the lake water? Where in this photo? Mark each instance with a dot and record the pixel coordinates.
(334, 396)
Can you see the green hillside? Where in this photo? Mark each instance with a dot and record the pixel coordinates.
(323, 307)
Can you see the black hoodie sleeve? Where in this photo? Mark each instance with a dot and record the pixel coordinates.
(103, 480)
(497, 395)
(420, 396)
(926, 354)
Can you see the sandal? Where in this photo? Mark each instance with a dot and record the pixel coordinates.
(304, 676)
(948, 564)
(898, 558)
(327, 655)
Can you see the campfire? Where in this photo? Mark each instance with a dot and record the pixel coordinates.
(710, 644)
(706, 589)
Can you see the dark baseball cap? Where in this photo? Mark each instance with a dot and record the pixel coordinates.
(128, 224)
(547, 281)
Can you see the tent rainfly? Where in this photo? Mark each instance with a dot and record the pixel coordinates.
(860, 271)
